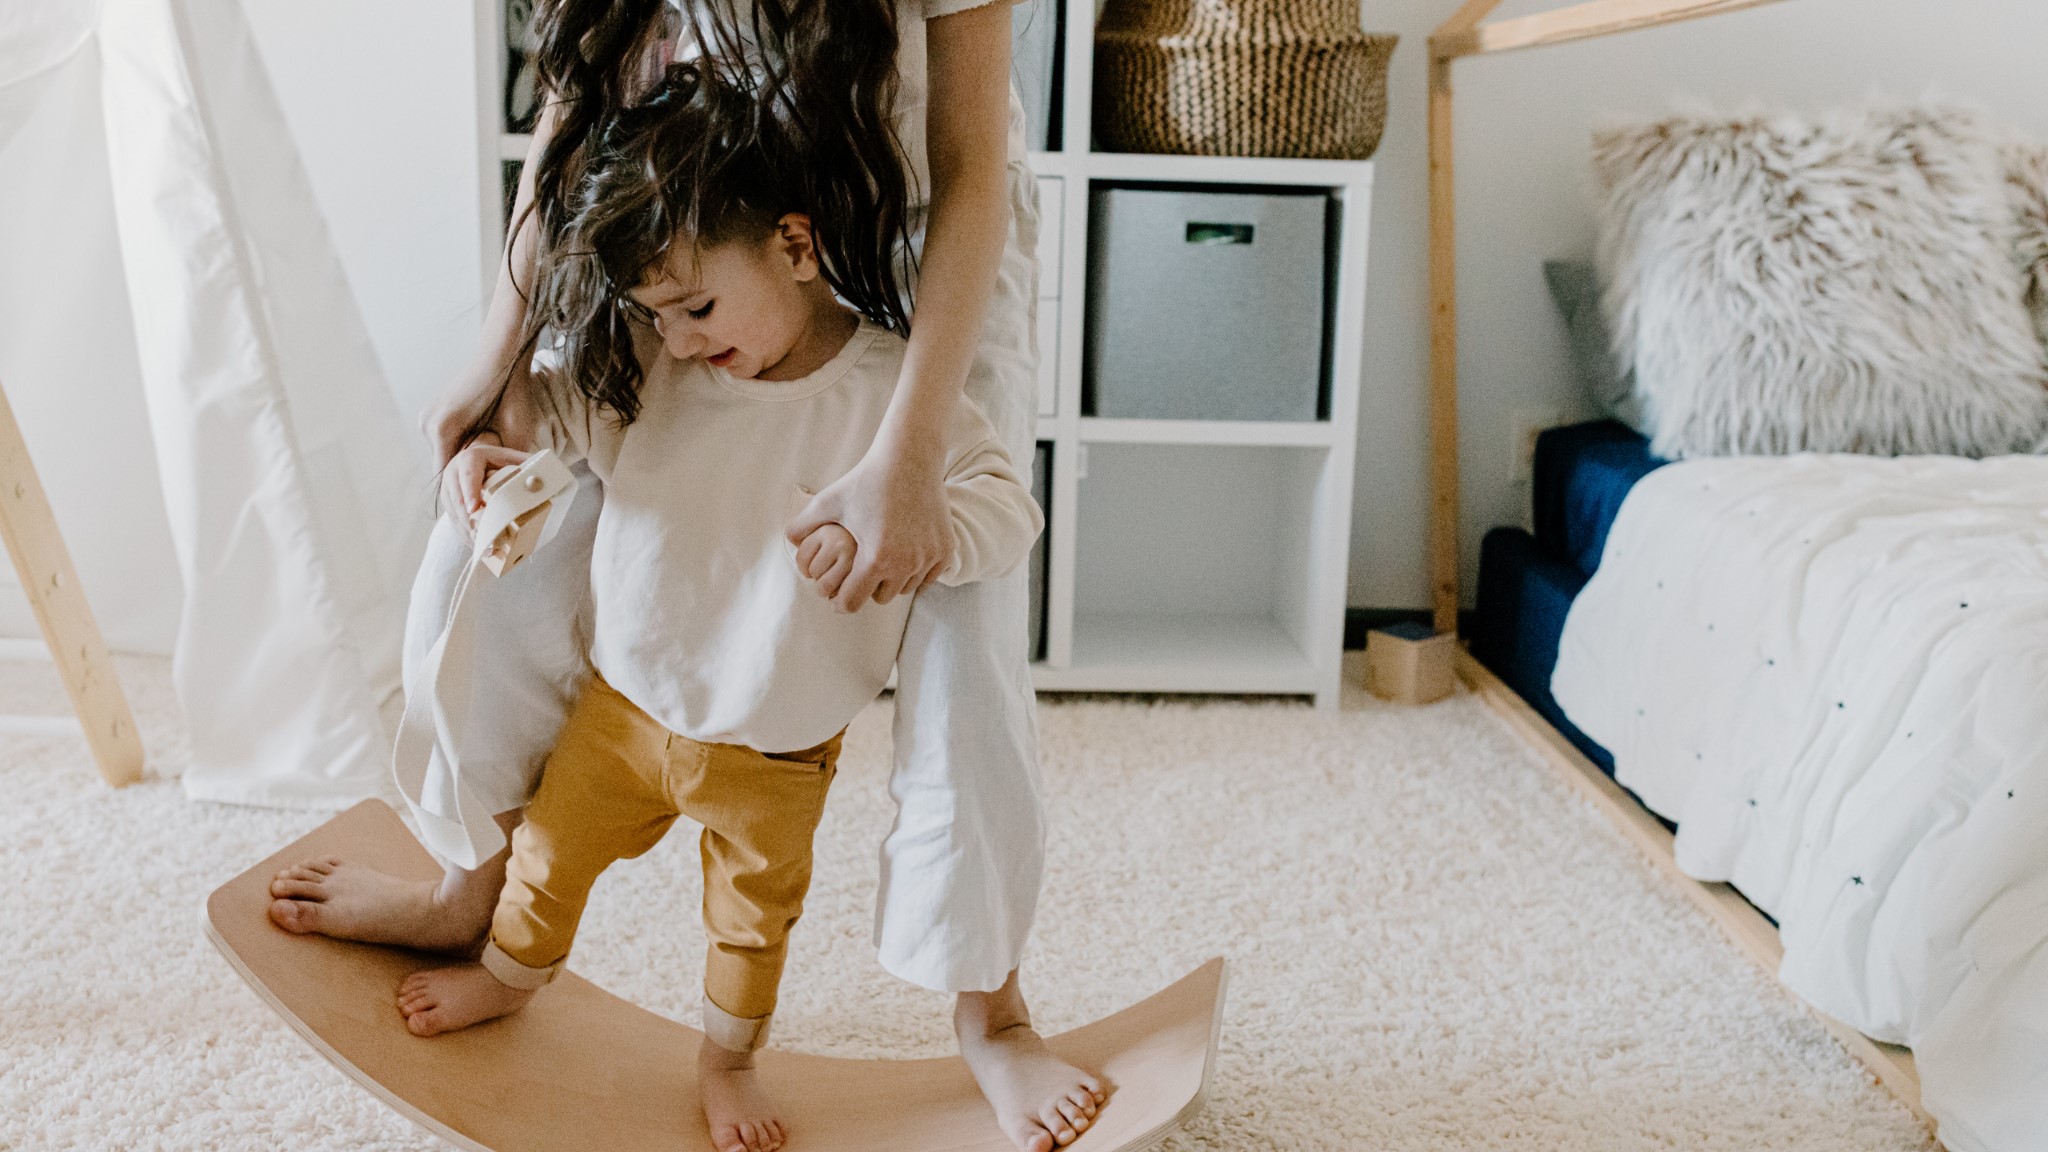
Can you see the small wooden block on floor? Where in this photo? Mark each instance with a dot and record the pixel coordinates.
(1410, 663)
(579, 1068)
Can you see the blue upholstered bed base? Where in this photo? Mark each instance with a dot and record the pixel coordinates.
(1527, 581)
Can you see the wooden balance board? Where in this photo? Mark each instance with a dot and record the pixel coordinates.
(580, 1068)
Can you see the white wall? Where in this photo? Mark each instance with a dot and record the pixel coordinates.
(381, 96)
(1525, 195)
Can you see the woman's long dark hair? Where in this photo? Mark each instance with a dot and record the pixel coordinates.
(814, 79)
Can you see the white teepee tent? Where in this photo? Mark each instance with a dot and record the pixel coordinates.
(295, 493)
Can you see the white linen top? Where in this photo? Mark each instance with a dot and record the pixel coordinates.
(913, 85)
(701, 617)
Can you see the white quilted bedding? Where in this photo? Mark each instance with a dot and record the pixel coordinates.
(1832, 673)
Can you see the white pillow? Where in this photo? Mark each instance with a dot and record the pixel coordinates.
(1858, 283)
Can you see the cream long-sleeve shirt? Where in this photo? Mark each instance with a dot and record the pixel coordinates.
(701, 616)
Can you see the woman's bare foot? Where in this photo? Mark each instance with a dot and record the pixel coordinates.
(1041, 1101)
(446, 999)
(740, 1115)
(332, 897)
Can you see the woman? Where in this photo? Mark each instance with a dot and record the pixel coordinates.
(961, 868)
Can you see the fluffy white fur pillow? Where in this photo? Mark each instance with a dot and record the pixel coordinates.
(1861, 283)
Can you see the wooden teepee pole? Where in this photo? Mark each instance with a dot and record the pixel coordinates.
(29, 531)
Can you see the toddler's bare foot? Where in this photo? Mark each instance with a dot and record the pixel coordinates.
(332, 897)
(741, 1117)
(1041, 1101)
(446, 999)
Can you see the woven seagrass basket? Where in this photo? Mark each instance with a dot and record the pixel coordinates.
(1239, 78)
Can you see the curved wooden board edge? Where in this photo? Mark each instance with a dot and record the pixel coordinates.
(580, 1068)
(391, 1099)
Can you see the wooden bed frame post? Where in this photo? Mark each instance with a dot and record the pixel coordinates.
(1443, 322)
(1464, 34)
(29, 530)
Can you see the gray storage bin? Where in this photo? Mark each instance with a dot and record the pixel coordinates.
(1207, 305)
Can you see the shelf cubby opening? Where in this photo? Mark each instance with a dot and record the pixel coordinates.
(1194, 565)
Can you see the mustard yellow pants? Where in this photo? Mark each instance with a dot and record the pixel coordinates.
(615, 782)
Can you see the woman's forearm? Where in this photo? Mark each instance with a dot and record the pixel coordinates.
(507, 315)
(967, 133)
(498, 359)
(963, 250)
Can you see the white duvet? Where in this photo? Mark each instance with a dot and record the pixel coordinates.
(1832, 673)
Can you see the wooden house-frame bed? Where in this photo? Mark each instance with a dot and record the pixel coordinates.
(1468, 34)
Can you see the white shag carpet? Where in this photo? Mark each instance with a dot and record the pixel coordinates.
(1434, 945)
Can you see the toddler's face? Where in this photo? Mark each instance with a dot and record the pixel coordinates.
(741, 306)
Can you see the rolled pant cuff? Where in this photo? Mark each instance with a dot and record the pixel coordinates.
(735, 1033)
(512, 974)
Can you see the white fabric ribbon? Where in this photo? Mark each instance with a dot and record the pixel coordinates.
(437, 691)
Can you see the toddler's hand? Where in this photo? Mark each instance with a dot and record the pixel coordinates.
(826, 557)
(462, 483)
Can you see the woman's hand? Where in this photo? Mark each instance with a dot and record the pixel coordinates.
(463, 481)
(894, 500)
(894, 504)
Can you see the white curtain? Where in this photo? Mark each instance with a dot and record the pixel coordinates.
(36, 37)
(67, 358)
(296, 497)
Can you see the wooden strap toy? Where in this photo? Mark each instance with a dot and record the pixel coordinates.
(580, 1069)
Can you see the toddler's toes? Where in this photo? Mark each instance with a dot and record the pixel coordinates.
(424, 1023)
(1076, 1119)
(1063, 1133)
(294, 916)
(294, 888)
(1085, 1101)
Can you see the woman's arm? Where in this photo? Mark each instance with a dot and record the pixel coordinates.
(498, 359)
(894, 501)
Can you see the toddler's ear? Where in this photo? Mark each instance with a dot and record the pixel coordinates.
(799, 245)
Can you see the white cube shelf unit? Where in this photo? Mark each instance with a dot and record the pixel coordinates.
(1184, 556)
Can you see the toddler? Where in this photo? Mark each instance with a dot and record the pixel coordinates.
(723, 673)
